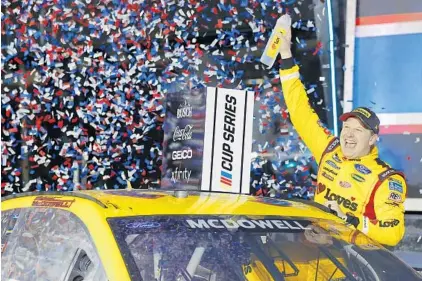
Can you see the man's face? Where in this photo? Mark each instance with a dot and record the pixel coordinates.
(355, 139)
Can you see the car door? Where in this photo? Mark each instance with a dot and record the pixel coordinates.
(47, 244)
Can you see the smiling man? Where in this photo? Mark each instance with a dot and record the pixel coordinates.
(362, 189)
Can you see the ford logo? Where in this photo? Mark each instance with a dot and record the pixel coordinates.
(362, 169)
(145, 224)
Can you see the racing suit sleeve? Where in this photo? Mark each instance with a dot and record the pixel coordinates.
(383, 219)
(304, 119)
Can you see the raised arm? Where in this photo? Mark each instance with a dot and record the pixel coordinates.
(304, 119)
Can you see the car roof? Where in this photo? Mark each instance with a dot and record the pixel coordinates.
(123, 203)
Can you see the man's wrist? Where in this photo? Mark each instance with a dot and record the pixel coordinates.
(287, 63)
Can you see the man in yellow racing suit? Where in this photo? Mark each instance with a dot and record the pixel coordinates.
(362, 189)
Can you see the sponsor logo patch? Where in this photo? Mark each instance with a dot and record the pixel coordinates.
(363, 112)
(327, 176)
(333, 145)
(345, 184)
(394, 197)
(386, 174)
(321, 187)
(332, 164)
(358, 178)
(330, 171)
(346, 203)
(394, 186)
(389, 223)
(336, 158)
(362, 169)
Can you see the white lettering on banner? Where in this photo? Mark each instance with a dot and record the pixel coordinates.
(246, 224)
(184, 110)
(228, 134)
(183, 134)
(177, 175)
(181, 154)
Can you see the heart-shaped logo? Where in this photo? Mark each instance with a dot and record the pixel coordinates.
(353, 198)
(321, 188)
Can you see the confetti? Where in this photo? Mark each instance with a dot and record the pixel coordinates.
(84, 86)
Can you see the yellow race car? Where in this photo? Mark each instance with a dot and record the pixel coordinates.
(122, 235)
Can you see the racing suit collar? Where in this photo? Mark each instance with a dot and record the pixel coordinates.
(371, 155)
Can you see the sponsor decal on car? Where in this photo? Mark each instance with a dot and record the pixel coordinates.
(362, 169)
(332, 164)
(143, 224)
(45, 201)
(389, 223)
(358, 178)
(255, 224)
(345, 184)
(395, 186)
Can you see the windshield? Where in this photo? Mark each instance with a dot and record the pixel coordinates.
(236, 248)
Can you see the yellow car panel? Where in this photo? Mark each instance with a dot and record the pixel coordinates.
(124, 203)
(108, 214)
